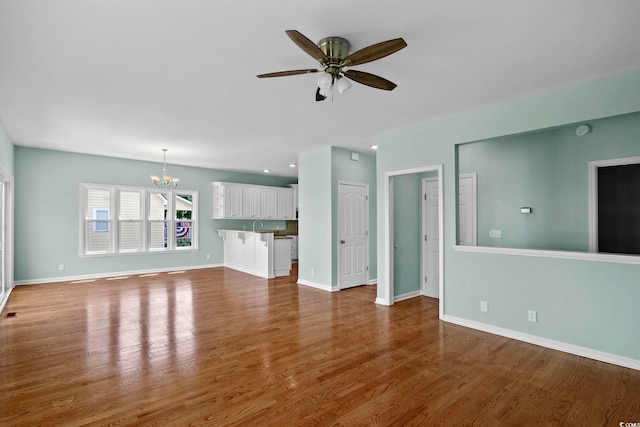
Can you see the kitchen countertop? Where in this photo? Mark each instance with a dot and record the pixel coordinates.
(276, 233)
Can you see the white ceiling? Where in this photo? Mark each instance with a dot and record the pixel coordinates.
(125, 78)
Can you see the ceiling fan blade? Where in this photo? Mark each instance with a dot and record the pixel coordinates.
(373, 52)
(287, 73)
(308, 46)
(319, 96)
(369, 79)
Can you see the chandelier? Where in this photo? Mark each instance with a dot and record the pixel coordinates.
(166, 181)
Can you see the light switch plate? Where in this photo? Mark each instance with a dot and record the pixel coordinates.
(495, 234)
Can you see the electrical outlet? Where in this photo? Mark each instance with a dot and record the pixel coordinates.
(61, 267)
(533, 316)
(484, 306)
(495, 234)
(208, 256)
(313, 271)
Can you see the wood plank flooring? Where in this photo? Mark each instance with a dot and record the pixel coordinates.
(216, 347)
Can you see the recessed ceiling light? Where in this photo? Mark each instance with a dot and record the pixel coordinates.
(292, 165)
(374, 147)
(266, 170)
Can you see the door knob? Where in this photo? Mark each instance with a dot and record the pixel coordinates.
(342, 242)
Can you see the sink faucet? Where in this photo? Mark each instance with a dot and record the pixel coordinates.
(254, 225)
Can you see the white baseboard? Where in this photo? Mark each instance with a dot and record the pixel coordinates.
(5, 299)
(317, 285)
(372, 282)
(111, 274)
(382, 301)
(246, 269)
(408, 295)
(548, 343)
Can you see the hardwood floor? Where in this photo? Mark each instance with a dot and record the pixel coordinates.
(218, 347)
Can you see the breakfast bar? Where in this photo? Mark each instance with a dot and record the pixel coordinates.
(259, 253)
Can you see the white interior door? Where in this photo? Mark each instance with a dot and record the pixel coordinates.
(430, 237)
(353, 234)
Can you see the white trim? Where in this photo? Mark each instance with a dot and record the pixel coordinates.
(9, 230)
(580, 256)
(382, 301)
(250, 270)
(152, 252)
(387, 287)
(372, 282)
(4, 300)
(388, 233)
(593, 193)
(366, 188)
(113, 274)
(548, 343)
(315, 285)
(145, 198)
(408, 295)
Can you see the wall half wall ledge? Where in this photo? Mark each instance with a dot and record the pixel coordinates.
(579, 256)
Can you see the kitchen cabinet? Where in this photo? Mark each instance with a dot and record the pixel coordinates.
(294, 248)
(281, 257)
(294, 187)
(227, 201)
(259, 254)
(246, 201)
(285, 203)
(251, 203)
(269, 203)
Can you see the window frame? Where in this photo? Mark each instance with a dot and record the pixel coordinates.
(116, 219)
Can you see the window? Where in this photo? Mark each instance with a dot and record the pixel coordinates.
(121, 220)
(184, 215)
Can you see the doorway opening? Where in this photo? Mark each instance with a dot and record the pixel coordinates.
(614, 206)
(389, 297)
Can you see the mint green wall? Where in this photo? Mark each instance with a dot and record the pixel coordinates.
(315, 217)
(407, 217)
(47, 212)
(362, 171)
(6, 149)
(589, 304)
(547, 171)
(407, 208)
(318, 176)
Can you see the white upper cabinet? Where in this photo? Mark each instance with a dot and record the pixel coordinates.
(251, 206)
(269, 197)
(231, 200)
(285, 203)
(227, 201)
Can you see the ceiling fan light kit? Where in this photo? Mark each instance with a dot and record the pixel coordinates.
(333, 55)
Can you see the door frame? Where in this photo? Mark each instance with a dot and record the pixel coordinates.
(366, 187)
(593, 194)
(7, 251)
(388, 299)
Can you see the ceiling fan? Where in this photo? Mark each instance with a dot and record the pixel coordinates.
(333, 55)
